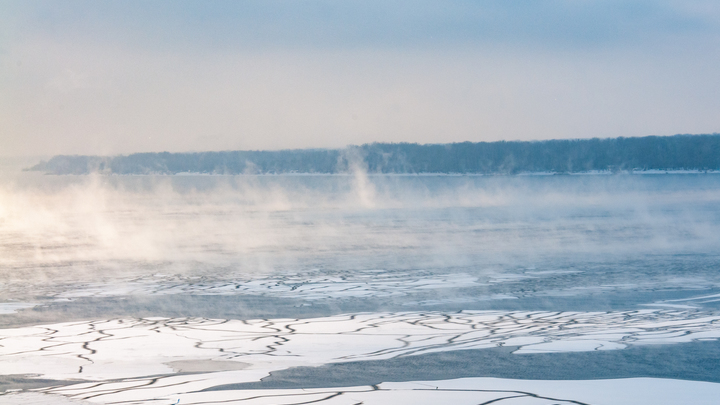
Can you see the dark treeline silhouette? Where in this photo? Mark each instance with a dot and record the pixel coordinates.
(679, 152)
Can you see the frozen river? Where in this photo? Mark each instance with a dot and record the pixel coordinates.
(588, 289)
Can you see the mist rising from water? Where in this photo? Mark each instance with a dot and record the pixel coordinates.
(69, 229)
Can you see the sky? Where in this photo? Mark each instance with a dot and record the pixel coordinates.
(119, 77)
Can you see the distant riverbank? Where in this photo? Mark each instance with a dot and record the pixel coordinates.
(651, 154)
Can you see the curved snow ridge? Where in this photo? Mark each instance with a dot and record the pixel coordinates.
(463, 391)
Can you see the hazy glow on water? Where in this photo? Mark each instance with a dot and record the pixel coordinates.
(70, 229)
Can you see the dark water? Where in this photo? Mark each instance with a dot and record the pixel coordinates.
(699, 361)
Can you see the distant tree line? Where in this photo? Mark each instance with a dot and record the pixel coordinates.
(689, 152)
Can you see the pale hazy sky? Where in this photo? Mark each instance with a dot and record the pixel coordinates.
(109, 77)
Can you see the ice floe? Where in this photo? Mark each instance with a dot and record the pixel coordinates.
(302, 286)
(129, 348)
(12, 307)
